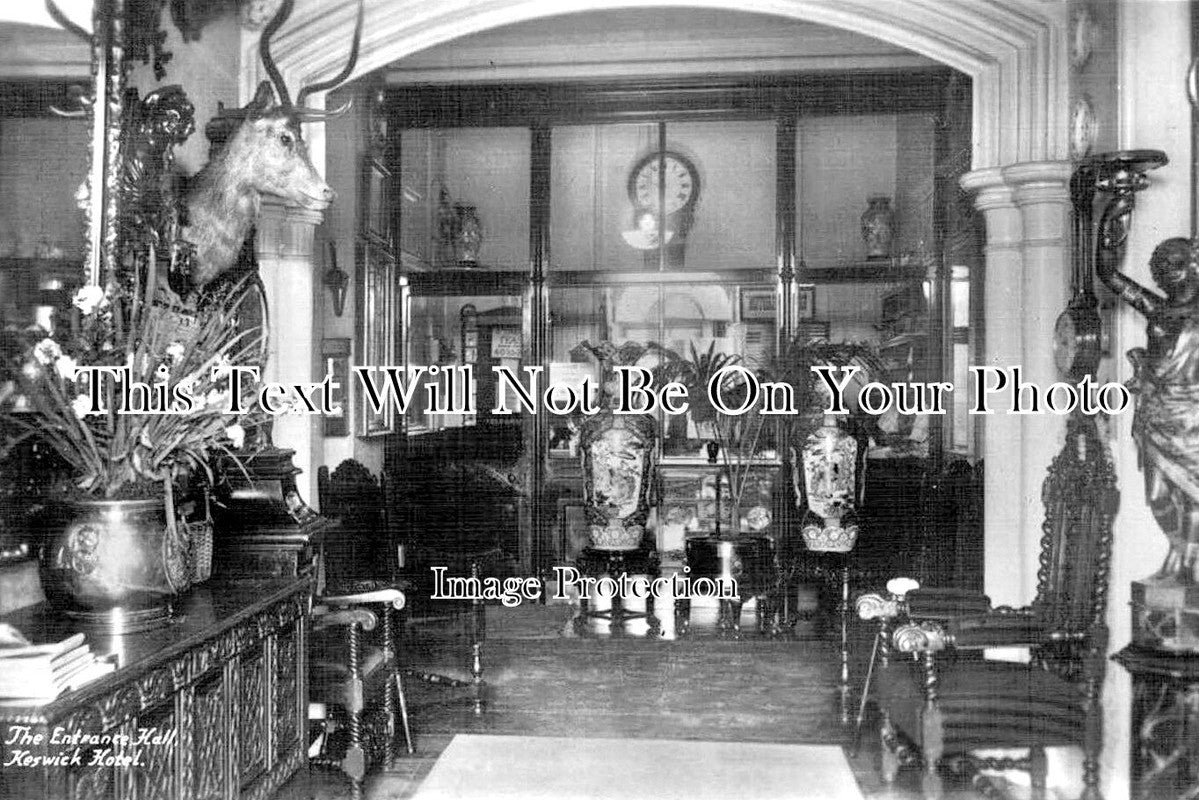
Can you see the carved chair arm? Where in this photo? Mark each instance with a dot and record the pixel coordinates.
(946, 603)
(875, 606)
(328, 618)
(922, 604)
(393, 597)
(924, 637)
(998, 629)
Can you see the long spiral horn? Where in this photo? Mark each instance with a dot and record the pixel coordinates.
(66, 22)
(336, 80)
(264, 52)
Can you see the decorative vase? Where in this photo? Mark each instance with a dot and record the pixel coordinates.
(468, 236)
(878, 223)
(618, 461)
(117, 562)
(446, 225)
(829, 471)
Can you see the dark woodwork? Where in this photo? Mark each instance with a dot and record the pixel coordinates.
(1164, 758)
(262, 526)
(593, 563)
(537, 431)
(459, 493)
(358, 497)
(35, 98)
(493, 105)
(225, 682)
(748, 559)
(950, 706)
(785, 97)
(362, 546)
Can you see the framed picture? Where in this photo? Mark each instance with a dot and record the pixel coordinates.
(379, 311)
(336, 353)
(805, 301)
(376, 202)
(758, 305)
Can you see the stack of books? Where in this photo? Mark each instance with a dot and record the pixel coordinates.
(44, 671)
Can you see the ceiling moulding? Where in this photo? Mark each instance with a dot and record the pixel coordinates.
(587, 70)
(32, 52)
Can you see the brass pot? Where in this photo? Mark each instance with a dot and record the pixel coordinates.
(104, 556)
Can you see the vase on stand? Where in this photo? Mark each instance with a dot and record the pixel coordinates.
(878, 227)
(618, 454)
(117, 563)
(828, 470)
(468, 235)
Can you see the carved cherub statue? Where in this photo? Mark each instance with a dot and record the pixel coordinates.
(1166, 382)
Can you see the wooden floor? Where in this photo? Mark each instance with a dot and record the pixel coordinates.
(551, 678)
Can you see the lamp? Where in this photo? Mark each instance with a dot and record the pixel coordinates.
(337, 281)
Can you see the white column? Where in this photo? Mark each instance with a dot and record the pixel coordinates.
(1003, 341)
(285, 263)
(1041, 191)
(1027, 210)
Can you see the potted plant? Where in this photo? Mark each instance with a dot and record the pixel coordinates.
(130, 387)
(695, 372)
(133, 397)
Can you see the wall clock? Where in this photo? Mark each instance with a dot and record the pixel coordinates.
(664, 182)
(682, 182)
(1083, 127)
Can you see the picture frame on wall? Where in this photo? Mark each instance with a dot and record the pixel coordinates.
(378, 309)
(758, 305)
(376, 202)
(336, 353)
(805, 301)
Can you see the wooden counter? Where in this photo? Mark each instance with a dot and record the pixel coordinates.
(218, 698)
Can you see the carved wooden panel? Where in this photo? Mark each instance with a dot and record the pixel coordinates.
(229, 705)
(156, 772)
(252, 716)
(210, 746)
(287, 681)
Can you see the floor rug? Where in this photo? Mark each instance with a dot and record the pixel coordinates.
(544, 768)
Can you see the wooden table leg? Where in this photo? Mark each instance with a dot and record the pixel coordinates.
(845, 642)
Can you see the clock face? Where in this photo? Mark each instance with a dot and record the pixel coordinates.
(1076, 342)
(681, 180)
(1083, 127)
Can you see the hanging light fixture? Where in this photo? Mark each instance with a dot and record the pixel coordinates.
(337, 281)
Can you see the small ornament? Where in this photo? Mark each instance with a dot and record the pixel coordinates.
(468, 236)
(878, 227)
(254, 14)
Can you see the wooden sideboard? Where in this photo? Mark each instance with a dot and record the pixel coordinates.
(219, 697)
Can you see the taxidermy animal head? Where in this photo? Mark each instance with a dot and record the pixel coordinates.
(264, 154)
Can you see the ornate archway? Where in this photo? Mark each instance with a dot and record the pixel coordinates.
(1014, 50)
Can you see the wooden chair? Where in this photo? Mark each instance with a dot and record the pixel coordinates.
(354, 671)
(343, 678)
(949, 702)
(364, 555)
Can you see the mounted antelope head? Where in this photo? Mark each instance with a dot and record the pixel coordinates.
(264, 155)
